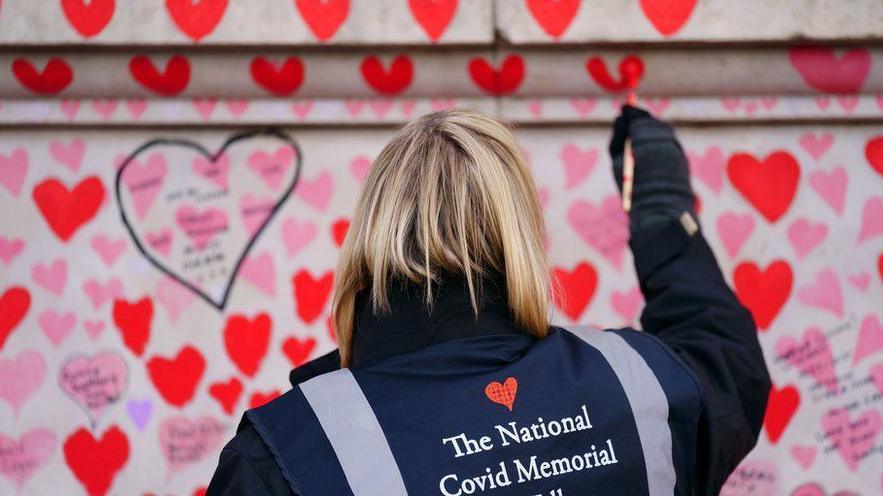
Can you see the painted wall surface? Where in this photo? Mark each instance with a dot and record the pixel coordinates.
(165, 258)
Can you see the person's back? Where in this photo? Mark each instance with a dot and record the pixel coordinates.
(476, 395)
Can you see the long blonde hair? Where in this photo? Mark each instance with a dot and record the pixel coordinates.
(449, 192)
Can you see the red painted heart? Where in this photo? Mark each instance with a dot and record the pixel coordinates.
(14, 305)
(88, 18)
(576, 288)
(258, 398)
(133, 320)
(391, 82)
(780, 410)
(247, 340)
(55, 77)
(769, 184)
(554, 16)
(311, 294)
(176, 378)
(433, 16)
(227, 393)
(323, 17)
(196, 19)
(171, 81)
(763, 292)
(503, 82)
(874, 153)
(67, 210)
(95, 462)
(631, 70)
(298, 351)
(280, 80)
(339, 230)
(503, 394)
(668, 16)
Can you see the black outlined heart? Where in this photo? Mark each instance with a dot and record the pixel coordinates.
(195, 212)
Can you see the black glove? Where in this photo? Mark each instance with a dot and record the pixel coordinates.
(661, 187)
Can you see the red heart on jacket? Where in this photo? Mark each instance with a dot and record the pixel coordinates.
(392, 82)
(88, 18)
(196, 19)
(554, 16)
(227, 393)
(246, 341)
(55, 77)
(280, 80)
(433, 15)
(631, 69)
(298, 350)
(311, 294)
(504, 393)
(493, 82)
(95, 462)
(176, 379)
(171, 81)
(323, 17)
(780, 410)
(874, 153)
(763, 292)
(578, 287)
(133, 321)
(14, 305)
(769, 185)
(67, 210)
(668, 16)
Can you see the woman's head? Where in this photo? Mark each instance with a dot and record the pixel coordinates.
(451, 193)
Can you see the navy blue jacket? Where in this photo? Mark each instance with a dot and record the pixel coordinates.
(449, 404)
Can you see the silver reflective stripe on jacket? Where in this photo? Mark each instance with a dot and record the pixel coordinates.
(355, 434)
(648, 401)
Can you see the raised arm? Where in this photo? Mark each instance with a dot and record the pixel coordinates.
(689, 305)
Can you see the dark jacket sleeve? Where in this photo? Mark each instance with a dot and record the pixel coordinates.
(690, 307)
(247, 467)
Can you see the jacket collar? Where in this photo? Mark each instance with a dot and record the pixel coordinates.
(409, 326)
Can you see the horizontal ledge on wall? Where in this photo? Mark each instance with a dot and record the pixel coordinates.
(197, 112)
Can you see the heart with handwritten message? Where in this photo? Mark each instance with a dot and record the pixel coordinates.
(195, 214)
(94, 383)
(184, 441)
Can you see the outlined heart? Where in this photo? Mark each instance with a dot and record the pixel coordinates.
(503, 394)
(213, 224)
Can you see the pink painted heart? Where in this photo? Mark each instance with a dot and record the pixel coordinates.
(811, 355)
(604, 227)
(734, 229)
(816, 146)
(13, 169)
(831, 187)
(174, 297)
(535, 107)
(578, 164)
(877, 376)
(95, 383)
(205, 106)
(53, 277)
(136, 107)
(237, 106)
(19, 459)
(216, 171)
(753, 477)
(316, 192)
(184, 442)
(627, 303)
(360, 167)
(823, 293)
(408, 107)
(160, 240)
(656, 105)
(708, 167)
(853, 439)
(94, 328)
(872, 219)
(847, 102)
(804, 455)
(201, 225)
(99, 293)
(442, 104)
(731, 104)
(21, 377)
(583, 106)
(805, 235)
(809, 489)
(302, 108)
(10, 248)
(825, 71)
(296, 234)
(108, 249)
(56, 326)
(255, 211)
(260, 271)
(380, 106)
(272, 168)
(353, 107)
(870, 338)
(860, 280)
(145, 181)
(104, 107)
(70, 155)
(70, 107)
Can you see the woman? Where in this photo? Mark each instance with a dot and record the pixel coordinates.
(449, 378)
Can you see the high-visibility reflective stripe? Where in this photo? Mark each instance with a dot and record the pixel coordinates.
(648, 402)
(354, 433)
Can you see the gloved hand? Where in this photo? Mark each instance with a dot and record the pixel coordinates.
(661, 188)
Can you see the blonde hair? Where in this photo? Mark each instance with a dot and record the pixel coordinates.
(449, 192)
